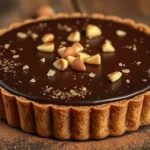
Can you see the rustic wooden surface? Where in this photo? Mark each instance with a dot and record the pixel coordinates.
(11, 138)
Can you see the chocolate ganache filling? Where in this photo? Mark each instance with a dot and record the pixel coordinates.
(70, 87)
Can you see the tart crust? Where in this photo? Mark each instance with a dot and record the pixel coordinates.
(76, 122)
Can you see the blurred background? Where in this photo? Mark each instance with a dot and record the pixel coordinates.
(18, 10)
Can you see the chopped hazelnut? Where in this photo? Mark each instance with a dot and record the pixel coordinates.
(92, 75)
(25, 67)
(48, 47)
(87, 45)
(13, 51)
(63, 42)
(113, 77)
(134, 47)
(21, 49)
(42, 60)
(84, 89)
(125, 70)
(22, 35)
(61, 51)
(61, 64)
(138, 63)
(94, 60)
(121, 33)
(108, 47)
(6, 46)
(78, 65)
(93, 31)
(144, 80)
(83, 56)
(69, 51)
(33, 80)
(16, 56)
(49, 37)
(120, 64)
(51, 73)
(128, 81)
(74, 36)
(78, 47)
(70, 59)
(34, 35)
(68, 29)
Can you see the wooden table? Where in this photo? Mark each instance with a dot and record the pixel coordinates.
(11, 138)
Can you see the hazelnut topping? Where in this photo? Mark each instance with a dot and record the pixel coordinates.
(108, 47)
(83, 56)
(78, 65)
(49, 37)
(69, 51)
(21, 35)
(121, 33)
(61, 50)
(94, 60)
(51, 73)
(47, 48)
(74, 36)
(113, 77)
(61, 64)
(78, 47)
(93, 31)
(70, 59)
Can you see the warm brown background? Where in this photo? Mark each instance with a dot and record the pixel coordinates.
(17, 10)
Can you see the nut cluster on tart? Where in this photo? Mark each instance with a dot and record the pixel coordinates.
(74, 54)
(75, 77)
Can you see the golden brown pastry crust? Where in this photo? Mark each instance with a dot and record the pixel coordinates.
(76, 122)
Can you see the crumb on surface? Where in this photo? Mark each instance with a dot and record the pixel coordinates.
(32, 80)
(92, 75)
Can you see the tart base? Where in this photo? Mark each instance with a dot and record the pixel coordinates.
(74, 122)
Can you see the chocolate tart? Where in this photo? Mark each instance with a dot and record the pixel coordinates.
(47, 108)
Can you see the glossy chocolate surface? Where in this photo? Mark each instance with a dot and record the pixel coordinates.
(99, 88)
